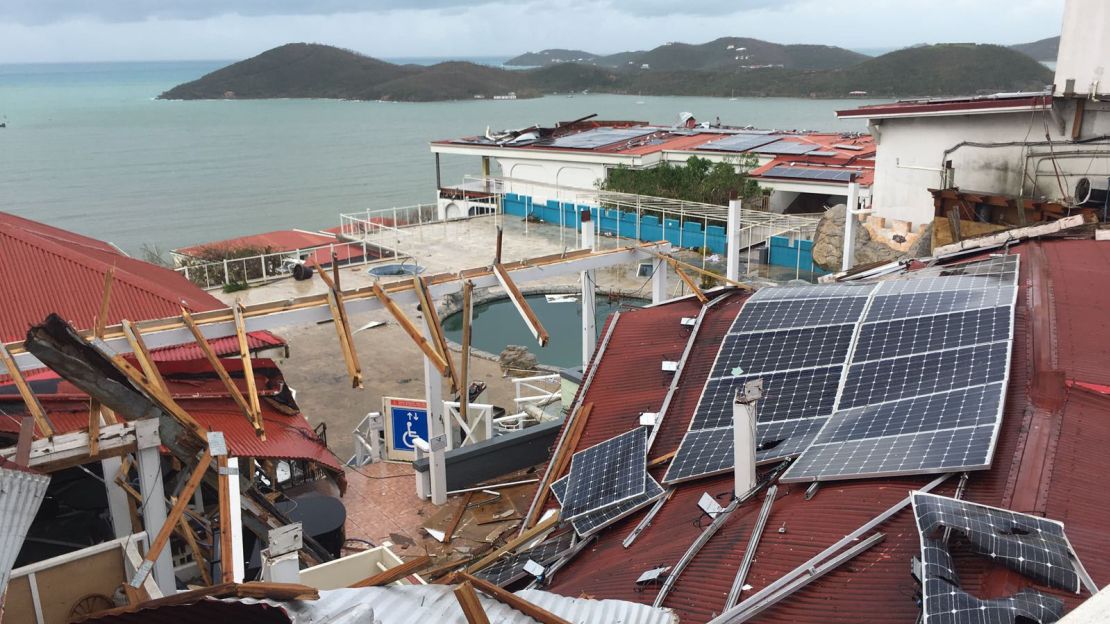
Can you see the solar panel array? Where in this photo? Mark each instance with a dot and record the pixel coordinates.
(1033, 546)
(606, 474)
(511, 569)
(903, 376)
(788, 148)
(600, 137)
(796, 340)
(597, 520)
(740, 142)
(801, 173)
(923, 391)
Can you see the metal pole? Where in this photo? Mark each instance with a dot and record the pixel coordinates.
(851, 210)
(154, 498)
(749, 552)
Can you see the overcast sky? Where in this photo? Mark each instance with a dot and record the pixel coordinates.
(98, 30)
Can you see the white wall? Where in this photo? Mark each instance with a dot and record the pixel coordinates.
(1084, 47)
(549, 174)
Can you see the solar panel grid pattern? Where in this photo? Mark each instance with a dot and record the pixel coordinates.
(943, 368)
(511, 568)
(607, 473)
(740, 142)
(600, 137)
(1027, 544)
(802, 173)
(788, 147)
(598, 519)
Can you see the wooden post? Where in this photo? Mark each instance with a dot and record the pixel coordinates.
(342, 326)
(471, 606)
(521, 304)
(497, 251)
(172, 519)
(464, 364)
(410, 329)
(248, 371)
(29, 399)
(221, 372)
(435, 328)
(512, 600)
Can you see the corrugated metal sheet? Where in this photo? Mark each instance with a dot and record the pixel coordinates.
(1056, 462)
(279, 240)
(223, 347)
(205, 611)
(21, 493)
(49, 270)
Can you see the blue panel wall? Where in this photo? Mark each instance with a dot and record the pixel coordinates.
(782, 251)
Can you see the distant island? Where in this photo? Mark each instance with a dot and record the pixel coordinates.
(1044, 50)
(309, 70)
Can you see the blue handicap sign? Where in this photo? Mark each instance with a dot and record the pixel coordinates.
(408, 425)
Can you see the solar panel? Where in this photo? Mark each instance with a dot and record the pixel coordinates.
(786, 148)
(740, 142)
(803, 173)
(511, 569)
(763, 316)
(606, 474)
(600, 137)
(1030, 545)
(821, 291)
(597, 520)
(783, 350)
(925, 385)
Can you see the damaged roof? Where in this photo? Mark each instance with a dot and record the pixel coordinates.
(1050, 452)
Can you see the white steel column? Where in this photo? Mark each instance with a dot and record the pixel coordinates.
(117, 498)
(744, 435)
(732, 271)
(659, 281)
(235, 504)
(850, 225)
(154, 498)
(589, 304)
(433, 392)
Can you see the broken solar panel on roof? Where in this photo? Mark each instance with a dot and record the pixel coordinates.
(740, 142)
(511, 569)
(1030, 545)
(904, 376)
(606, 474)
(600, 137)
(595, 521)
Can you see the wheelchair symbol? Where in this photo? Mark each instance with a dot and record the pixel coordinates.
(408, 438)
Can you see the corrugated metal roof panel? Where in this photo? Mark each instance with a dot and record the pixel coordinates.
(206, 611)
(228, 345)
(21, 493)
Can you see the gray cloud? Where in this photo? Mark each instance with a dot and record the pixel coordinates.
(39, 12)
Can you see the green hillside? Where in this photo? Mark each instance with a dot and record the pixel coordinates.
(1044, 50)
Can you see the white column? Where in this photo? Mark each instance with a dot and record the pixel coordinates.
(433, 392)
(659, 281)
(589, 305)
(588, 239)
(732, 234)
(744, 435)
(154, 498)
(117, 497)
(235, 504)
(850, 225)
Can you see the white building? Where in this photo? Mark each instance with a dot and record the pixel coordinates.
(1033, 146)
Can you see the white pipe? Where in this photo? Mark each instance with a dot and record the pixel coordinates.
(235, 504)
(732, 271)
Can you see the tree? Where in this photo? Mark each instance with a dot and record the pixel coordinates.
(700, 180)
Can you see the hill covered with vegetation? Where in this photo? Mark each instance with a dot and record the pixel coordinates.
(303, 70)
(1044, 50)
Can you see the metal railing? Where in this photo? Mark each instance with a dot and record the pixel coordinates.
(262, 268)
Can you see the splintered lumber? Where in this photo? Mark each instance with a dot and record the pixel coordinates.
(515, 543)
(512, 600)
(471, 606)
(464, 363)
(342, 325)
(435, 328)
(411, 329)
(521, 304)
(29, 399)
(457, 518)
(142, 356)
(172, 519)
(395, 573)
(675, 262)
(248, 371)
(559, 461)
(692, 286)
(221, 372)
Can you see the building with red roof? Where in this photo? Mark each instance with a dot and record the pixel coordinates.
(1049, 458)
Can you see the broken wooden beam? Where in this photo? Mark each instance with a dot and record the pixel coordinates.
(342, 324)
(395, 573)
(559, 462)
(691, 285)
(248, 371)
(96, 414)
(521, 304)
(675, 262)
(34, 408)
(435, 328)
(411, 329)
(470, 604)
(512, 600)
(221, 372)
(515, 543)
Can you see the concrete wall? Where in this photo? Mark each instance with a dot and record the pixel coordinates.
(554, 173)
(1084, 48)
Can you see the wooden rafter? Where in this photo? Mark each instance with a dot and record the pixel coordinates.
(342, 325)
(559, 462)
(530, 318)
(675, 262)
(512, 600)
(156, 388)
(395, 573)
(435, 328)
(29, 399)
(464, 364)
(692, 285)
(411, 329)
(248, 372)
(221, 372)
(142, 355)
(471, 606)
(97, 414)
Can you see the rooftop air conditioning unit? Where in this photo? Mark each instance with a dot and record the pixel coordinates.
(1092, 191)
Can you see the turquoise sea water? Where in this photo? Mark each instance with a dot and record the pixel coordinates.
(88, 148)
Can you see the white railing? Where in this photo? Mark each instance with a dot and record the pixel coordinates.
(368, 446)
(262, 268)
(530, 406)
(477, 427)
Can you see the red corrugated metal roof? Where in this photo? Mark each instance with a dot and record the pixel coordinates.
(279, 240)
(228, 345)
(960, 106)
(195, 386)
(1049, 459)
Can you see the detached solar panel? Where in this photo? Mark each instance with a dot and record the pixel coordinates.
(606, 474)
(802, 173)
(600, 137)
(740, 142)
(786, 148)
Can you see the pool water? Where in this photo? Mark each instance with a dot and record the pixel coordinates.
(498, 324)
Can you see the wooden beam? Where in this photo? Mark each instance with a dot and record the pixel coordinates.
(471, 606)
(156, 389)
(395, 573)
(227, 566)
(559, 462)
(700, 271)
(521, 304)
(248, 371)
(96, 413)
(514, 543)
(142, 356)
(342, 325)
(411, 329)
(464, 358)
(172, 519)
(512, 600)
(435, 328)
(221, 372)
(691, 285)
(662, 459)
(29, 399)
(457, 518)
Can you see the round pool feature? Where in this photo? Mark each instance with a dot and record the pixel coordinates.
(497, 324)
(394, 270)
